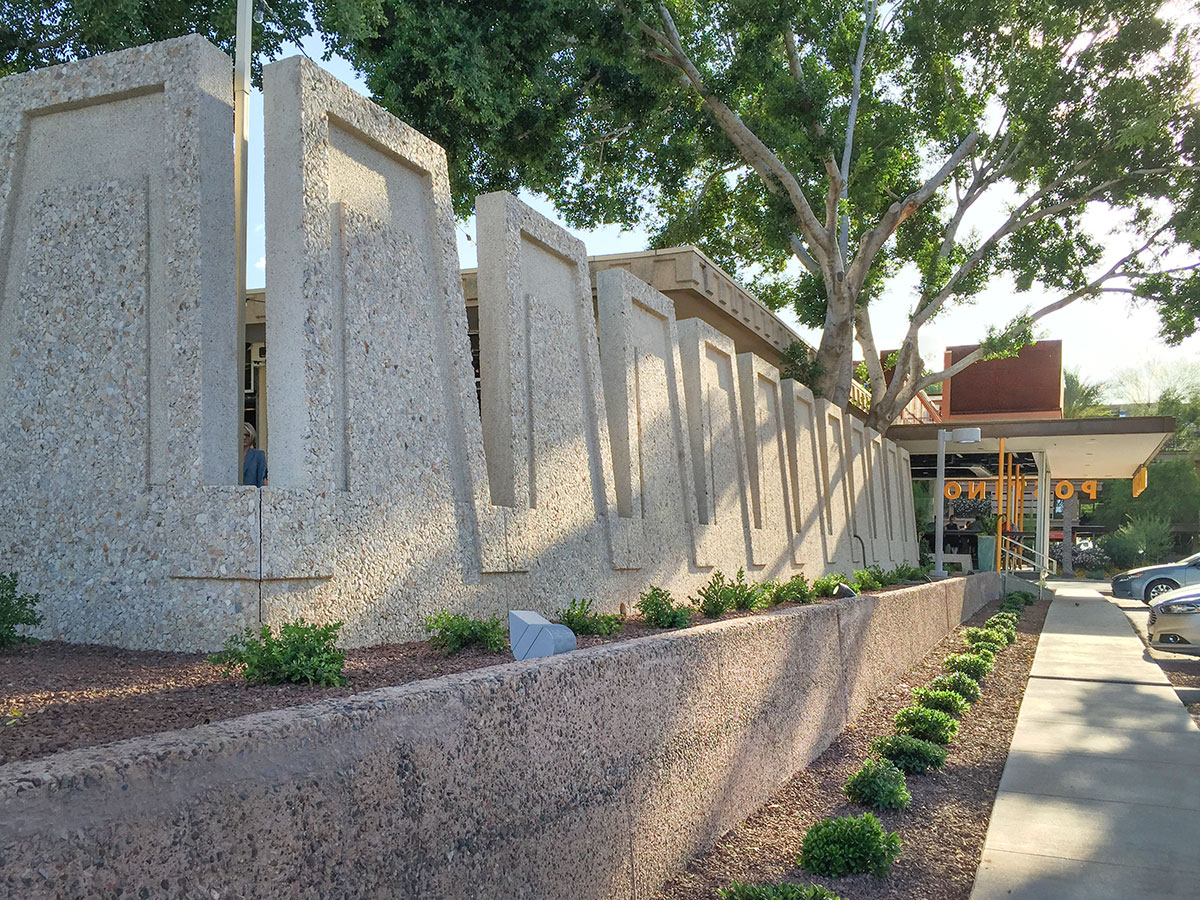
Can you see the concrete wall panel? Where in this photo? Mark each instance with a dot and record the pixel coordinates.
(894, 485)
(378, 507)
(807, 480)
(861, 500)
(908, 517)
(835, 488)
(767, 469)
(718, 449)
(877, 486)
(647, 420)
(118, 349)
(545, 424)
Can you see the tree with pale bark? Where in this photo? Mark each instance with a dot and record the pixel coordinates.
(824, 152)
(820, 149)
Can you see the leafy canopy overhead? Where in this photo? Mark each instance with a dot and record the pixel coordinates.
(819, 149)
(36, 33)
(816, 149)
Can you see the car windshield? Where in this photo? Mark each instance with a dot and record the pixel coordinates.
(1188, 560)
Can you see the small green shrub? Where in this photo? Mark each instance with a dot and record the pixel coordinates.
(865, 580)
(303, 653)
(1027, 598)
(452, 632)
(977, 665)
(659, 609)
(826, 585)
(721, 594)
(849, 845)
(974, 635)
(877, 573)
(909, 754)
(959, 682)
(996, 636)
(715, 598)
(1004, 621)
(1003, 624)
(581, 617)
(880, 785)
(794, 590)
(15, 609)
(950, 702)
(987, 647)
(746, 595)
(926, 724)
(781, 891)
(903, 573)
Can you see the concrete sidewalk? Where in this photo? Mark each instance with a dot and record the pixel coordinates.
(1101, 792)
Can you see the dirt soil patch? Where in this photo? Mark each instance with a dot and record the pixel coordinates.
(942, 830)
(56, 696)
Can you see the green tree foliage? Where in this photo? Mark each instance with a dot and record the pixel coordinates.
(1143, 540)
(1172, 493)
(35, 33)
(1081, 398)
(1185, 409)
(819, 149)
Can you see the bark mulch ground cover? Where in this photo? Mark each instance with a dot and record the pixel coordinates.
(56, 696)
(942, 830)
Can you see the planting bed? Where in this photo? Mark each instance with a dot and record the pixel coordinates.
(56, 696)
(942, 830)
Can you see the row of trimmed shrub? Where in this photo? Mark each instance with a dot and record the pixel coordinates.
(721, 594)
(849, 845)
(306, 653)
(452, 632)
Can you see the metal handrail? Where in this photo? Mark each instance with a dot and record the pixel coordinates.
(1035, 560)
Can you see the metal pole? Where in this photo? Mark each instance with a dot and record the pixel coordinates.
(1000, 490)
(241, 119)
(1043, 515)
(939, 570)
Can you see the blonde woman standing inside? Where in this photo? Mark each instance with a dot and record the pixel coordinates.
(254, 461)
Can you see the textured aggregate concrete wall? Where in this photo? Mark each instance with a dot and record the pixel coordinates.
(393, 491)
(119, 432)
(595, 774)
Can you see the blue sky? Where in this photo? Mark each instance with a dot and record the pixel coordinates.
(1100, 337)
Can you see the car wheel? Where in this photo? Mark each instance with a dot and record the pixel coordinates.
(1158, 588)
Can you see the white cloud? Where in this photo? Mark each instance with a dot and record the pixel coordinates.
(261, 265)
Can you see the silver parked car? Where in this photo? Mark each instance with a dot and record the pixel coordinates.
(1175, 621)
(1149, 582)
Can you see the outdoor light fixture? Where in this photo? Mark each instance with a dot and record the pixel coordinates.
(955, 436)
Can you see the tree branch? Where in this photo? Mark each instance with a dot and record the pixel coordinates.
(866, 340)
(801, 253)
(852, 117)
(748, 143)
(927, 310)
(832, 191)
(872, 242)
(1092, 287)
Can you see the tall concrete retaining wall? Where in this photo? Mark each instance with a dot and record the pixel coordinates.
(611, 447)
(596, 774)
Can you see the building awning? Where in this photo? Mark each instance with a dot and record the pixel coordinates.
(1075, 448)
